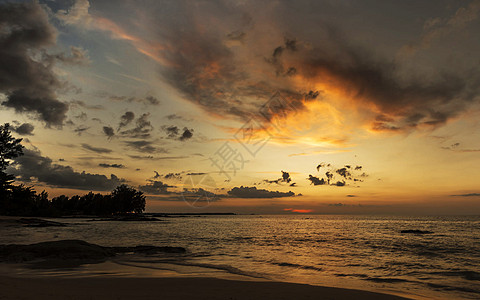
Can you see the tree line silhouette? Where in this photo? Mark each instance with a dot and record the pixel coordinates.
(21, 200)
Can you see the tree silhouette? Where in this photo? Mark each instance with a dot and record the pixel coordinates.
(10, 148)
(22, 200)
(128, 199)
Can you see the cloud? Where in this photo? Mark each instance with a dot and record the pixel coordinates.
(33, 166)
(81, 129)
(177, 176)
(150, 157)
(253, 192)
(84, 105)
(147, 100)
(78, 56)
(172, 131)
(142, 129)
(319, 67)
(285, 178)
(346, 173)
(186, 135)
(24, 129)
(116, 166)
(467, 195)
(126, 119)
(301, 211)
(108, 131)
(437, 28)
(455, 148)
(175, 117)
(26, 78)
(155, 187)
(316, 181)
(144, 147)
(96, 149)
(78, 15)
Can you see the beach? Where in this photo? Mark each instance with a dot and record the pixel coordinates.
(239, 257)
(169, 288)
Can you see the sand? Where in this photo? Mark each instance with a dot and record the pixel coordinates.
(169, 288)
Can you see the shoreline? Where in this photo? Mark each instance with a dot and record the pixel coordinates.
(170, 288)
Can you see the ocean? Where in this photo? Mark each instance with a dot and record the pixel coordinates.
(364, 252)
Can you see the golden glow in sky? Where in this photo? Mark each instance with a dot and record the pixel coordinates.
(281, 107)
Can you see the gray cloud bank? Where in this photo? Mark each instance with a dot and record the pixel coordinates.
(32, 166)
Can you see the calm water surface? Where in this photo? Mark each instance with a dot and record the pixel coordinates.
(367, 252)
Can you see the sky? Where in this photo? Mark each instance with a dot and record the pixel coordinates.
(278, 107)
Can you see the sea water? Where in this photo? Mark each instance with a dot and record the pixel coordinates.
(365, 252)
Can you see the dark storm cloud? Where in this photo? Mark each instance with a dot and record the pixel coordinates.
(203, 66)
(155, 187)
(96, 149)
(253, 192)
(32, 165)
(217, 77)
(29, 84)
(419, 101)
(116, 166)
(24, 129)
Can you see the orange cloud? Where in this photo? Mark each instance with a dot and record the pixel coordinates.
(301, 211)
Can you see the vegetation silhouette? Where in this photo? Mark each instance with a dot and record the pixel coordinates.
(21, 200)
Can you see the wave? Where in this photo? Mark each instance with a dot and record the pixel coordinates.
(291, 265)
(226, 268)
(468, 275)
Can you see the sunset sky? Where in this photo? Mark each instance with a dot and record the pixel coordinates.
(275, 107)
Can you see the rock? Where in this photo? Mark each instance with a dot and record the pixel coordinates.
(416, 231)
(66, 249)
(77, 250)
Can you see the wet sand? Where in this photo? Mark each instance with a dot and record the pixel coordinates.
(169, 288)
